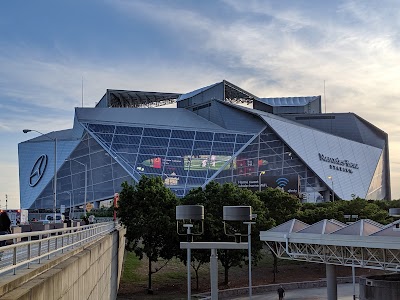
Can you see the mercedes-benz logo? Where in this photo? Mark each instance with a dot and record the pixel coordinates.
(38, 170)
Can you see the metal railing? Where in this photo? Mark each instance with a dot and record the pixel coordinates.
(33, 247)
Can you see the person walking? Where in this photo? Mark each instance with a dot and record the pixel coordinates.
(281, 293)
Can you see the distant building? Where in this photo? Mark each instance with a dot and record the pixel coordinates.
(217, 133)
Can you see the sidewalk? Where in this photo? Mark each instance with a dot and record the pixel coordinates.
(345, 292)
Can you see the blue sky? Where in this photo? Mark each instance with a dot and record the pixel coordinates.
(270, 48)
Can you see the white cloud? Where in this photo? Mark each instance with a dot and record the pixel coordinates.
(280, 52)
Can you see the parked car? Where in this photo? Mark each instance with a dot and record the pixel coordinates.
(50, 219)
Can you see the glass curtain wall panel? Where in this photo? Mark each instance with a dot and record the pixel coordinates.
(104, 177)
(184, 159)
(268, 153)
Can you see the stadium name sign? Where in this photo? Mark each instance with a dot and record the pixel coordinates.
(338, 164)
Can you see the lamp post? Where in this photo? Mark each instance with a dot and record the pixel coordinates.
(70, 203)
(187, 213)
(253, 217)
(333, 193)
(241, 213)
(55, 167)
(259, 180)
(230, 213)
(85, 165)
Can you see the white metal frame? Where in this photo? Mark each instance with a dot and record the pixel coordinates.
(374, 252)
(49, 244)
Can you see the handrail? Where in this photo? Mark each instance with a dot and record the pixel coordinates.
(56, 241)
(12, 236)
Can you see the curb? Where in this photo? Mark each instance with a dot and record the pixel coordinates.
(261, 289)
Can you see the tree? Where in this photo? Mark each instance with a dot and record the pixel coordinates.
(367, 209)
(147, 209)
(282, 207)
(214, 196)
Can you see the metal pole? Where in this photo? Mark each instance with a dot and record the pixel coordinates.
(333, 193)
(189, 259)
(249, 252)
(70, 204)
(85, 186)
(249, 242)
(353, 271)
(55, 179)
(214, 274)
(73, 207)
(86, 169)
(331, 282)
(259, 180)
(189, 284)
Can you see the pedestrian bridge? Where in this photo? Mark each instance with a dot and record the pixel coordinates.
(365, 244)
(83, 262)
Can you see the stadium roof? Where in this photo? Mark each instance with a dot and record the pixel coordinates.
(289, 101)
(232, 93)
(123, 98)
(66, 134)
(174, 117)
(195, 92)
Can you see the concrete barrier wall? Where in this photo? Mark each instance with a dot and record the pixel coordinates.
(92, 273)
(380, 287)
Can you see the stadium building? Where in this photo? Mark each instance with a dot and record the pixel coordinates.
(217, 133)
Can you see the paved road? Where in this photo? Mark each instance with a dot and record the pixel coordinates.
(345, 292)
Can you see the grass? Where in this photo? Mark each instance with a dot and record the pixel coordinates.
(133, 270)
(131, 266)
(175, 270)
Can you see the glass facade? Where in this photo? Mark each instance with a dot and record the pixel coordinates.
(104, 177)
(183, 158)
(267, 152)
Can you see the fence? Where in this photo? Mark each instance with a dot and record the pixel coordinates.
(38, 245)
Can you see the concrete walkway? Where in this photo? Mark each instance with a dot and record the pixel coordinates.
(345, 292)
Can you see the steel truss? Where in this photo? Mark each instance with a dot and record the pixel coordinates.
(358, 256)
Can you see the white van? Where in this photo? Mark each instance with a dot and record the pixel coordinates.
(59, 218)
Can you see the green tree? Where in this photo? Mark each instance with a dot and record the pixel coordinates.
(282, 207)
(374, 210)
(147, 209)
(214, 196)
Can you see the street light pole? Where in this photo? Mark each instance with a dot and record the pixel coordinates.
(70, 203)
(253, 216)
(85, 165)
(55, 167)
(333, 193)
(259, 180)
(189, 213)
